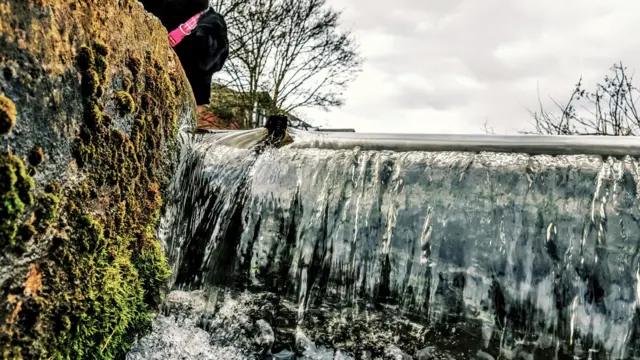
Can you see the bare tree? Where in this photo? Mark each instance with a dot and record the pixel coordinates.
(287, 54)
(313, 60)
(252, 28)
(610, 110)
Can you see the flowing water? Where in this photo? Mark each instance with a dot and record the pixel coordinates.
(352, 254)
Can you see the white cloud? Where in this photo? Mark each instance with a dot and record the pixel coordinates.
(447, 66)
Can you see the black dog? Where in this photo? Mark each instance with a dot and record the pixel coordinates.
(204, 51)
(276, 126)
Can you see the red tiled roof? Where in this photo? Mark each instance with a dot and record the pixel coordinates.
(208, 121)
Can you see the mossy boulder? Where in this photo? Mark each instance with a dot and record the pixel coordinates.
(81, 269)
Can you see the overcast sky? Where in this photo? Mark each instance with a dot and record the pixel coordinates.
(447, 66)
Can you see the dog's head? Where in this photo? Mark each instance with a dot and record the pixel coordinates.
(204, 52)
(277, 126)
(211, 35)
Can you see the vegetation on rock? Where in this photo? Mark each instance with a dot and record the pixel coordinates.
(15, 194)
(7, 115)
(125, 103)
(101, 274)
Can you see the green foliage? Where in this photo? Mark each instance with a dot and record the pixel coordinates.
(224, 113)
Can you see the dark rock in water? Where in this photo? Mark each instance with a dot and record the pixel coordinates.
(81, 269)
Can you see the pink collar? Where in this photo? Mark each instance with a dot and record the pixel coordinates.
(177, 35)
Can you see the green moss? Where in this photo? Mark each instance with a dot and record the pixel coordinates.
(46, 210)
(90, 83)
(101, 62)
(52, 188)
(99, 316)
(10, 210)
(102, 67)
(153, 271)
(8, 178)
(26, 232)
(85, 58)
(135, 65)
(15, 196)
(101, 48)
(25, 183)
(125, 103)
(126, 84)
(99, 91)
(7, 115)
(146, 103)
(108, 271)
(93, 116)
(36, 156)
(105, 271)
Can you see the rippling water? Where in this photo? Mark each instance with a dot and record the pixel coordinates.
(385, 254)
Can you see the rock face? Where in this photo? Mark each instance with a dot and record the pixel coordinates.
(91, 102)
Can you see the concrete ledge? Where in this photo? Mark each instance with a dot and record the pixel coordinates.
(530, 144)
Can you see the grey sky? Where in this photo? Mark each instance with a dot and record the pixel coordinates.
(435, 66)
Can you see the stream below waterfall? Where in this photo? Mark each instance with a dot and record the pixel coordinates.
(349, 254)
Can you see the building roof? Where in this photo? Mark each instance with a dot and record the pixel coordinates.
(208, 121)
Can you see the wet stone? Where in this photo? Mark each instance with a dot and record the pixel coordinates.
(304, 344)
(481, 355)
(265, 336)
(392, 352)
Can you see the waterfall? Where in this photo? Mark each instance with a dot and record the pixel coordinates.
(343, 249)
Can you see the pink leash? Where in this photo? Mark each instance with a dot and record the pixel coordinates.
(177, 35)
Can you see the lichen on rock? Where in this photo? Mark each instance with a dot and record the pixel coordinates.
(78, 238)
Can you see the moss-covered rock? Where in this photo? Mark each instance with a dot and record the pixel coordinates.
(86, 268)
